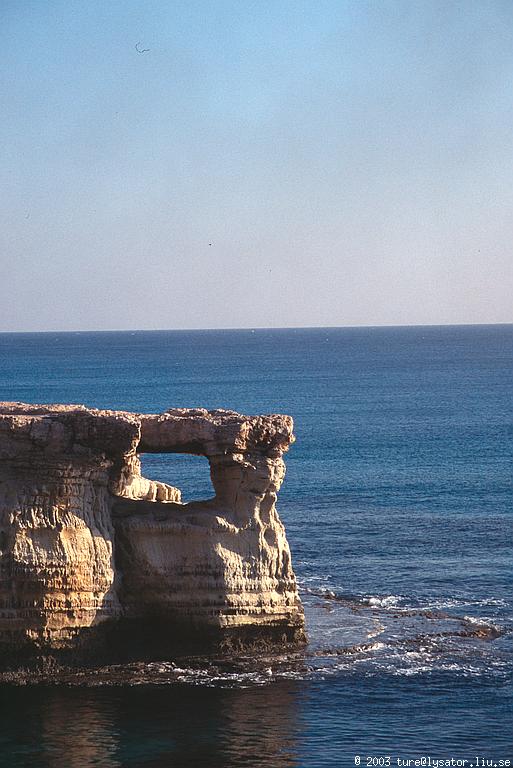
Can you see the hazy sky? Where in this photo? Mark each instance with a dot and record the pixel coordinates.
(350, 162)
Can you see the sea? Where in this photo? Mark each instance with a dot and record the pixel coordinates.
(398, 508)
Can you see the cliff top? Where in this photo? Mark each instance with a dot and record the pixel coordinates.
(69, 428)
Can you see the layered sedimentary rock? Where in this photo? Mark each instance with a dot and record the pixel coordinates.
(91, 549)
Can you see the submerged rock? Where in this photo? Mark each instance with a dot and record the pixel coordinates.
(97, 561)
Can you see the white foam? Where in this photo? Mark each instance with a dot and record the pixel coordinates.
(386, 601)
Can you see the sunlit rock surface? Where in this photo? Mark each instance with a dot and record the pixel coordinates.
(94, 557)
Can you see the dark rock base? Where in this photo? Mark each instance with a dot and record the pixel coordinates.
(126, 641)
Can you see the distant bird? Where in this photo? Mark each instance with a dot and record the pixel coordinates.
(210, 243)
(141, 50)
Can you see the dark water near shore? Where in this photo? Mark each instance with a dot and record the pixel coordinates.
(398, 508)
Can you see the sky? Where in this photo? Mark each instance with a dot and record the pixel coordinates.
(267, 163)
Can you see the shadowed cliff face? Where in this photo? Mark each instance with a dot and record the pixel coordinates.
(87, 542)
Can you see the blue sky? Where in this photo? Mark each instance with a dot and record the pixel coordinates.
(262, 164)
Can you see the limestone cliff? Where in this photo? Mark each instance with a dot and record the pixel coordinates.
(90, 549)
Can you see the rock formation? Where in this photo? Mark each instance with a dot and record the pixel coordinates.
(95, 557)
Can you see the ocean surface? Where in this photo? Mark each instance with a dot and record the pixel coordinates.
(398, 508)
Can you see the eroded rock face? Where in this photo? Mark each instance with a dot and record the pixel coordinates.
(90, 548)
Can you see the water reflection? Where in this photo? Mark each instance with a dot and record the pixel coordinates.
(263, 724)
(79, 732)
(151, 726)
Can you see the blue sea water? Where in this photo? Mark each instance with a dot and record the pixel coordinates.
(398, 509)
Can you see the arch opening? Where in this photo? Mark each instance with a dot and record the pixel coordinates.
(188, 472)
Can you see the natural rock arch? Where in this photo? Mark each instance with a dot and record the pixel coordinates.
(88, 543)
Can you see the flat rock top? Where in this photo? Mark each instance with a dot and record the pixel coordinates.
(61, 428)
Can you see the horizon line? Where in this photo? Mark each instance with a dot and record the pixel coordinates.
(261, 328)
